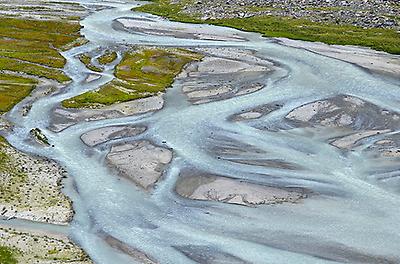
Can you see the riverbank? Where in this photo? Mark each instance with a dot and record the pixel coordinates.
(27, 246)
(271, 21)
(374, 61)
(31, 188)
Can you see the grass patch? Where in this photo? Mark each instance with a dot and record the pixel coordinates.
(12, 178)
(108, 57)
(271, 26)
(171, 11)
(140, 74)
(7, 256)
(22, 188)
(54, 33)
(13, 89)
(32, 69)
(31, 47)
(32, 248)
(87, 60)
(31, 51)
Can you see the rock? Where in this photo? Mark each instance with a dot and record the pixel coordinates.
(39, 136)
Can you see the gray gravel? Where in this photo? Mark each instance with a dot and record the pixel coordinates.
(363, 13)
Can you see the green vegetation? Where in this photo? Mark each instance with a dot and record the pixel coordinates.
(108, 57)
(13, 89)
(87, 60)
(31, 47)
(46, 32)
(37, 248)
(31, 51)
(271, 26)
(173, 12)
(12, 178)
(21, 185)
(260, 8)
(140, 74)
(7, 256)
(76, 43)
(36, 41)
(39, 136)
(32, 69)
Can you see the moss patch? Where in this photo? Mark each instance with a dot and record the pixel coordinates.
(140, 74)
(271, 26)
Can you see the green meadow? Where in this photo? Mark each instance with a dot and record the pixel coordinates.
(140, 74)
(30, 49)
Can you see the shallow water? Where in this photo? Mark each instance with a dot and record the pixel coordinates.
(352, 218)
